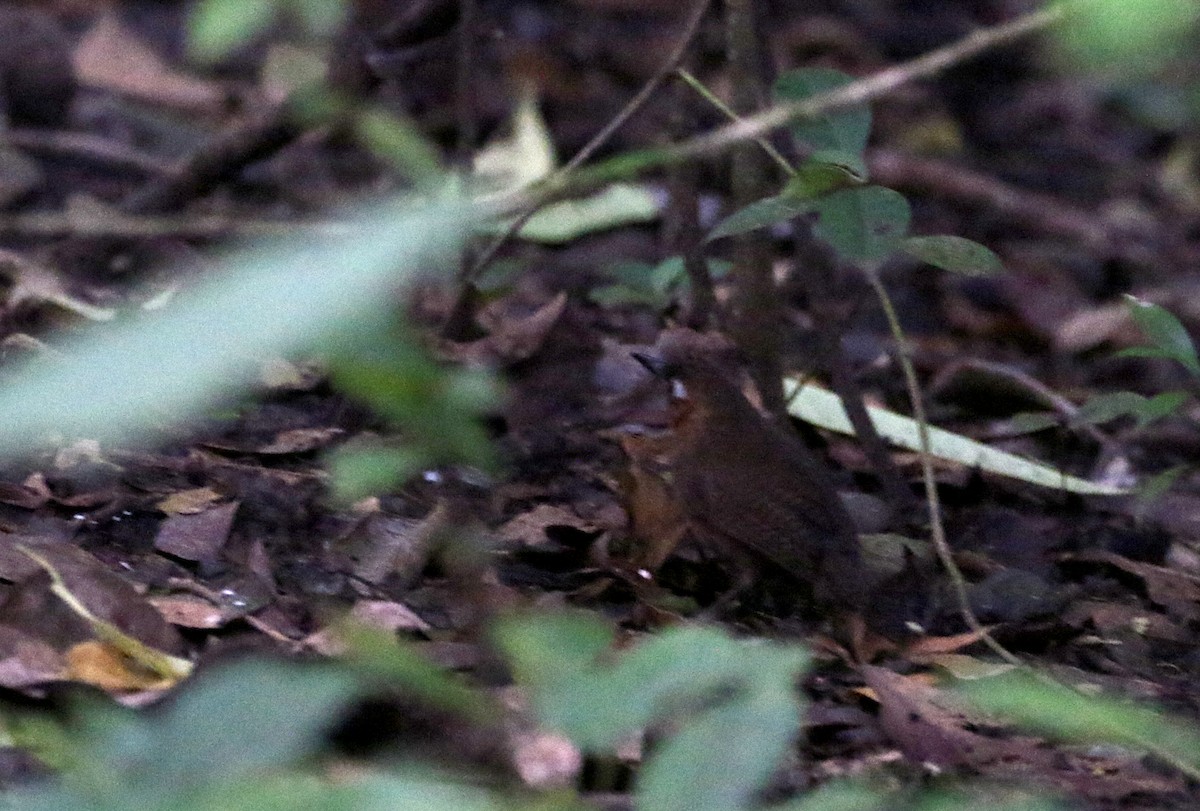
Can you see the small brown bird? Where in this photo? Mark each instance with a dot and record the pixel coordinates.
(751, 490)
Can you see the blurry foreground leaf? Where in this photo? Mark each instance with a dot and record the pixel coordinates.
(234, 723)
(217, 27)
(619, 204)
(1128, 37)
(704, 684)
(119, 381)
(1068, 714)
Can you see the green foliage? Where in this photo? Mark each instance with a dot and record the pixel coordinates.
(707, 686)
(1168, 337)
(435, 406)
(846, 131)
(955, 254)
(651, 285)
(1068, 714)
(227, 729)
(1128, 37)
(217, 27)
(121, 381)
(1107, 407)
(865, 224)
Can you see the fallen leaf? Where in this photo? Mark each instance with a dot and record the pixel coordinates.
(197, 536)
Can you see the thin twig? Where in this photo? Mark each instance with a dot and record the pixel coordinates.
(713, 99)
(937, 531)
(849, 95)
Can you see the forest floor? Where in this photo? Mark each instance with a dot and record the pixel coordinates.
(222, 537)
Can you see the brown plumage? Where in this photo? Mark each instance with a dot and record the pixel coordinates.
(751, 489)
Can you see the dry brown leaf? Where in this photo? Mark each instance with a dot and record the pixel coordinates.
(509, 340)
(190, 611)
(930, 726)
(529, 528)
(116, 614)
(26, 661)
(188, 502)
(1177, 592)
(199, 536)
(100, 664)
(114, 58)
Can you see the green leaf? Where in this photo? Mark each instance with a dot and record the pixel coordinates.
(1128, 38)
(835, 797)
(955, 254)
(1165, 332)
(360, 472)
(121, 381)
(846, 130)
(397, 141)
(863, 224)
(1068, 714)
(394, 665)
(233, 722)
(681, 672)
(619, 204)
(689, 773)
(1030, 422)
(216, 27)
(1107, 407)
(824, 409)
(320, 17)
(823, 172)
(761, 214)
(1159, 406)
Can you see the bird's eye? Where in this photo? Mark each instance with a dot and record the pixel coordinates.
(678, 390)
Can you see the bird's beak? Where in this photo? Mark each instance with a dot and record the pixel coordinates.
(656, 365)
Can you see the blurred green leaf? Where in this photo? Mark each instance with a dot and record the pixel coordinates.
(1165, 332)
(1107, 407)
(216, 27)
(362, 471)
(436, 407)
(121, 380)
(863, 224)
(846, 130)
(761, 214)
(320, 17)
(231, 723)
(1128, 37)
(707, 685)
(619, 204)
(689, 773)
(396, 665)
(1151, 489)
(986, 798)
(823, 172)
(1159, 406)
(1067, 714)
(1029, 422)
(835, 797)
(955, 254)
(397, 141)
